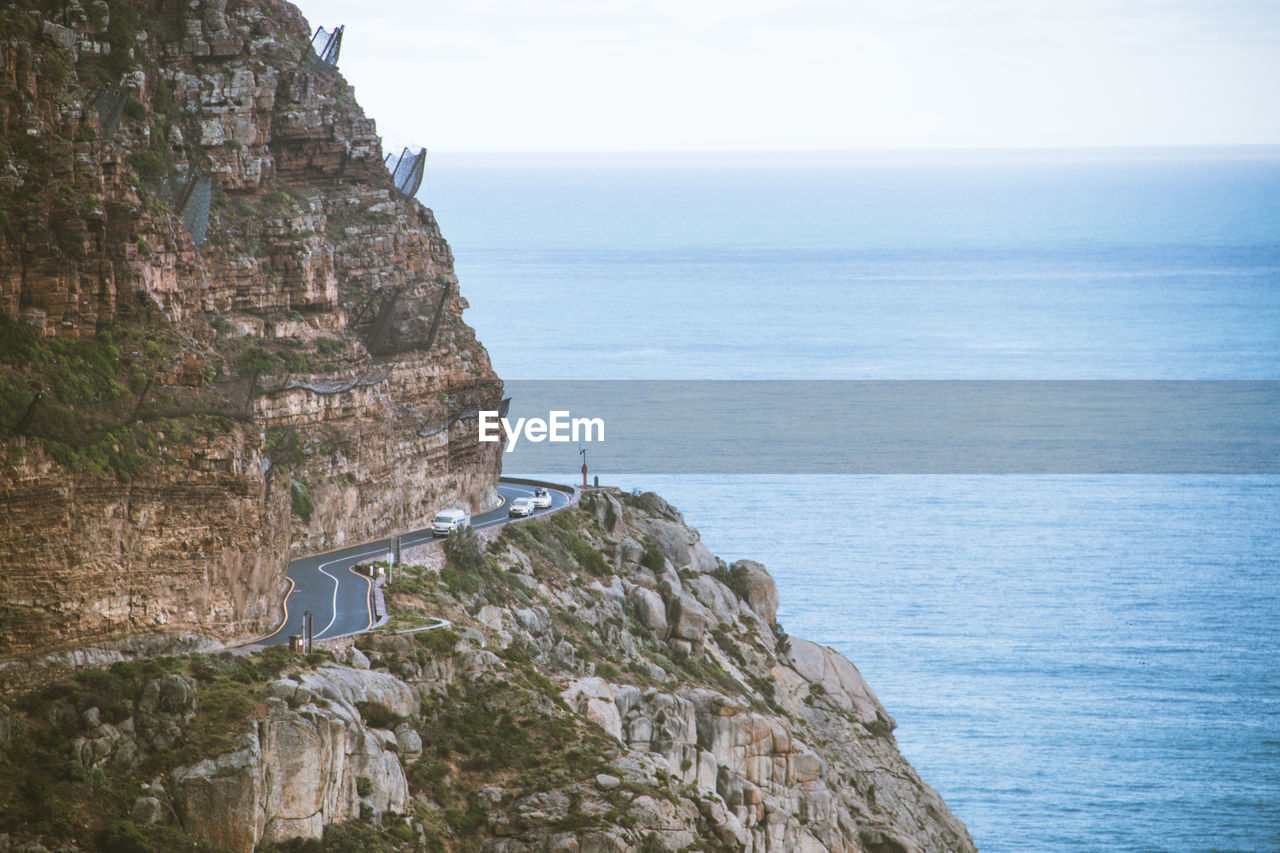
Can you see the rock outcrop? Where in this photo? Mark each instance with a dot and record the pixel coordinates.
(312, 761)
(175, 417)
(573, 705)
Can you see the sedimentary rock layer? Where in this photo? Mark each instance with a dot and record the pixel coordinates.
(288, 383)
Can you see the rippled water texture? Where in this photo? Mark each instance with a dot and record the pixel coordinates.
(1076, 663)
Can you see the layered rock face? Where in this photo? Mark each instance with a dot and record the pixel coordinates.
(299, 380)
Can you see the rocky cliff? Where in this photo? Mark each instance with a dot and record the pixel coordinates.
(607, 685)
(223, 332)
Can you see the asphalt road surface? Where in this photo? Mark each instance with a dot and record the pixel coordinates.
(340, 600)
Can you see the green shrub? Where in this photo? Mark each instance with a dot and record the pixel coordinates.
(436, 642)
(352, 837)
(587, 557)
(653, 559)
(735, 579)
(462, 549)
(302, 504)
(255, 360)
(123, 836)
(329, 346)
(151, 166)
(364, 786)
(122, 34)
(784, 642)
(464, 822)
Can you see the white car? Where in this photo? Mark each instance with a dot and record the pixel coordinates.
(541, 498)
(521, 506)
(449, 520)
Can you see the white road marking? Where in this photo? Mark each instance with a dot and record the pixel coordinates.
(336, 584)
(352, 560)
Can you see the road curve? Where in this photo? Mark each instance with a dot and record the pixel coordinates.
(340, 601)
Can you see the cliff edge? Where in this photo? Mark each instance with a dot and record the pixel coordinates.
(223, 332)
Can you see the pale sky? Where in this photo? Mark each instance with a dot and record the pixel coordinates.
(662, 75)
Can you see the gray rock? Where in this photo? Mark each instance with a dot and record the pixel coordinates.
(630, 551)
(650, 609)
(605, 782)
(377, 692)
(473, 662)
(169, 694)
(607, 511)
(491, 617)
(593, 698)
(841, 682)
(724, 823)
(534, 620)
(762, 592)
(63, 37)
(718, 598)
(408, 741)
(688, 618)
(656, 504)
(148, 810)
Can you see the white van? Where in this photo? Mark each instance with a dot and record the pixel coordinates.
(449, 520)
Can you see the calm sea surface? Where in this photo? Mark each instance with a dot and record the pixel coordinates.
(1076, 663)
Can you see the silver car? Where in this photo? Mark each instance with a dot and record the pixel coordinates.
(521, 506)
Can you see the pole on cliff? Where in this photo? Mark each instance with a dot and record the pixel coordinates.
(583, 452)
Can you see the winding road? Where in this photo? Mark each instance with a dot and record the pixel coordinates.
(341, 601)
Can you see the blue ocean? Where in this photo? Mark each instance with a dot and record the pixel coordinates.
(1074, 662)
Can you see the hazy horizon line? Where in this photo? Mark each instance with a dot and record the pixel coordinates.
(1249, 151)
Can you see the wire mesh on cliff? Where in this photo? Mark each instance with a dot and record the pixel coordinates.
(407, 170)
(110, 107)
(374, 377)
(471, 414)
(327, 46)
(192, 196)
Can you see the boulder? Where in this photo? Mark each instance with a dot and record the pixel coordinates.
(217, 799)
(607, 510)
(169, 694)
(656, 504)
(408, 741)
(377, 693)
(762, 592)
(148, 810)
(630, 551)
(688, 618)
(593, 698)
(841, 683)
(296, 771)
(718, 598)
(724, 823)
(650, 609)
(534, 620)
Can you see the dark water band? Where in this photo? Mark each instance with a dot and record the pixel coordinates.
(906, 427)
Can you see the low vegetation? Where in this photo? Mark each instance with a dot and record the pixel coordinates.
(44, 788)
